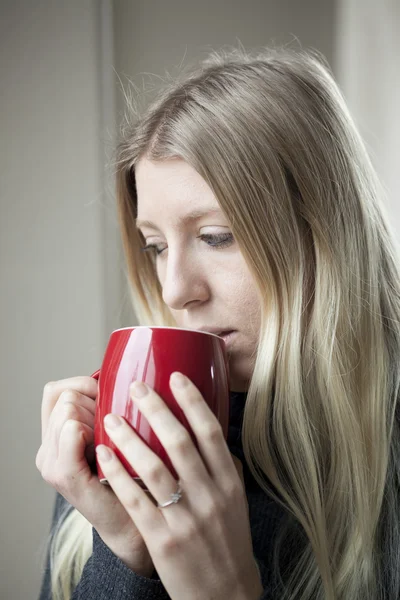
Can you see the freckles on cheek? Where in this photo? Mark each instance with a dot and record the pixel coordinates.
(246, 299)
(241, 286)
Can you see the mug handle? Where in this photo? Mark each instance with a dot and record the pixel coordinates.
(96, 374)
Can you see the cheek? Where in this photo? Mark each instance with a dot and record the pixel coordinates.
(248, 306)
(243, 285)
(246, 298)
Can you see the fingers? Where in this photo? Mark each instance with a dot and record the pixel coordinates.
(75, 436)
(175, 438)
(148, 465)
(86, 386)
(172, 434)
(136, 502)
(205, 426)
(71, 405)
(70, 461)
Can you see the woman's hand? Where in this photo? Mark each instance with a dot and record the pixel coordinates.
(63, 460)
(201, 546)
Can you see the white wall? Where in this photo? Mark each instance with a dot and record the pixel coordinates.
(57, 293)
(367, 54)
(155, 35)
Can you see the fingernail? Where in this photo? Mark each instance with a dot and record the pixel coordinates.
(139, 389)
(112, 421)
(179, 380)
(103, 453)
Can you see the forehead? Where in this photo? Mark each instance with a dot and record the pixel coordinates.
(171, 186)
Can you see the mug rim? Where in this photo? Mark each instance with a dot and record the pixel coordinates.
(166, 327)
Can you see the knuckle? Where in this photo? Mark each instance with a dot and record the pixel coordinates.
(69, 395)
(155, 409)
(234, 491)
(169, 545)
(72, 427)
(44, 466)
(132, 503)
(193, 398)
(189, 533)
(49, 387)
(70, 411)
(212, 510)
(178, 540)
(212, 432)
(155, 473)
(180, 443)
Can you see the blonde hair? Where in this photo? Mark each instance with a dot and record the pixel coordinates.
(271, 134)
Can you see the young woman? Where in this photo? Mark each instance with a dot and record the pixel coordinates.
(247, 204)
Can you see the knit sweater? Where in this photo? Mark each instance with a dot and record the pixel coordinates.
(106, 577)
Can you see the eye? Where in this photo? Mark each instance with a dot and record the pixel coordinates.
(154, 247)
(218, 241)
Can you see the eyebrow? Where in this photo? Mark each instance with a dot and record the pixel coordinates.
(193, 215)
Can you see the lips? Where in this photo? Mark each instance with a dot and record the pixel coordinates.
(228, 337)
(225, 333)
(215, 330)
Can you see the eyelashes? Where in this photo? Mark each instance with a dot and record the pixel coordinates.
(217, 241)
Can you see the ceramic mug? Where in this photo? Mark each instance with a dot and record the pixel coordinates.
(152, 354)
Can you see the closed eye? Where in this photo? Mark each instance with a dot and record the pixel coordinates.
(218, 241)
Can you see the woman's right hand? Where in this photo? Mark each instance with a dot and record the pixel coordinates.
(64, 458)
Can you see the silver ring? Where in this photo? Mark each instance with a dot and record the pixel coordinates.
(174, 498)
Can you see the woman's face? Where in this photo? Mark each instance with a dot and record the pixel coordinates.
(205, 280)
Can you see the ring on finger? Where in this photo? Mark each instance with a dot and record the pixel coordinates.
(174, 498)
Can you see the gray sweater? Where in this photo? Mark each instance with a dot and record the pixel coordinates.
(106, 577)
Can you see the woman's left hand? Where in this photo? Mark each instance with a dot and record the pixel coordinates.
(201, 546)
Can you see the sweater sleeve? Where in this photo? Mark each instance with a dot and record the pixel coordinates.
(104, 575)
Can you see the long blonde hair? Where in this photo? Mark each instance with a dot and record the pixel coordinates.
(271, 134)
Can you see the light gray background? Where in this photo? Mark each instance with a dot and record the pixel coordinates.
(62, 276)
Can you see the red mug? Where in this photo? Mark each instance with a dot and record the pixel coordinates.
(152, 354)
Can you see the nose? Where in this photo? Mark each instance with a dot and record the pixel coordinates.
(184, 281)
